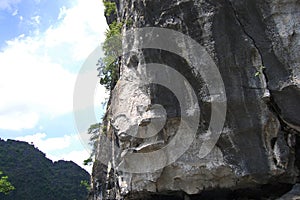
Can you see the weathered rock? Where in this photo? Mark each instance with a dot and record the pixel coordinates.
(256, 47)
(294, 194)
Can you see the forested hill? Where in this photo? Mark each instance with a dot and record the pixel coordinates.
(35, 177)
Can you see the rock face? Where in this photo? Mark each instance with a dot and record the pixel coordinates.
(256, 48)
(294, 194)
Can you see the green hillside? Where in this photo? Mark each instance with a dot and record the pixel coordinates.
(35, 177)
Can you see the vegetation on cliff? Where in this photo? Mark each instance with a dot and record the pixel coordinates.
(110, 8)
(108, 66)
(93, 131)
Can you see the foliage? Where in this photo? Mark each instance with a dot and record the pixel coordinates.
(108, 66)
(93, 131)
(129, 22)
(114, 30)
(88, 161)
(104, 129)
(36, 177)
(85, 184)
(5, 186)
(110, 7)
(260, 70)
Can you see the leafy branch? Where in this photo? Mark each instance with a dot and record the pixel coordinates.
(93, 131)
(110, 8)
(108, 66)
(5, 186)
(85, 184)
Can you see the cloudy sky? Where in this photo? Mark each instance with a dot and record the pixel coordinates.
(43, 45)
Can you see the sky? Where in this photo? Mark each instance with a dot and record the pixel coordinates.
(43, 46)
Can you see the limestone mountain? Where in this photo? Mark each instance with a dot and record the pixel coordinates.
(36, 177)
(241, 59)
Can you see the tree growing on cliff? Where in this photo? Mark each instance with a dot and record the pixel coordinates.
(5, 186)
(108, 66)
(110, 7)
(93, 131)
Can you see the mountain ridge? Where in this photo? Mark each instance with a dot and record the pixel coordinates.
(37, 177)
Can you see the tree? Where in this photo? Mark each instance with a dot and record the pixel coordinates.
(93, 131)
(5, 186)
(110, 8)
(108, 66)
(85, 184)
(88, 161)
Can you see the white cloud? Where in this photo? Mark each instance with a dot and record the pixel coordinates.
(47, 145)
(78, 24)
(77, 156)
(7, 4)
(35, 70)
(15, 12)
(18, 120)
(36, 19)
(62, 12)
(59, 148)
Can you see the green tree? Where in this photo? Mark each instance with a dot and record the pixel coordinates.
(5, 186)
(108, 66)
(88, 161)
(93, 131)
(110, 8)
(85, 184)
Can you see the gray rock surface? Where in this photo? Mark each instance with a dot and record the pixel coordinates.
(294, 194)
(259, 145)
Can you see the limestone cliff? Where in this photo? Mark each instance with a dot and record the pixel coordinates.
(255, 45)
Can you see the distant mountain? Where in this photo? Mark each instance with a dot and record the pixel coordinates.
(35, 177)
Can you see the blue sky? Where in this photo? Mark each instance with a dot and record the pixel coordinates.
(43, 45)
